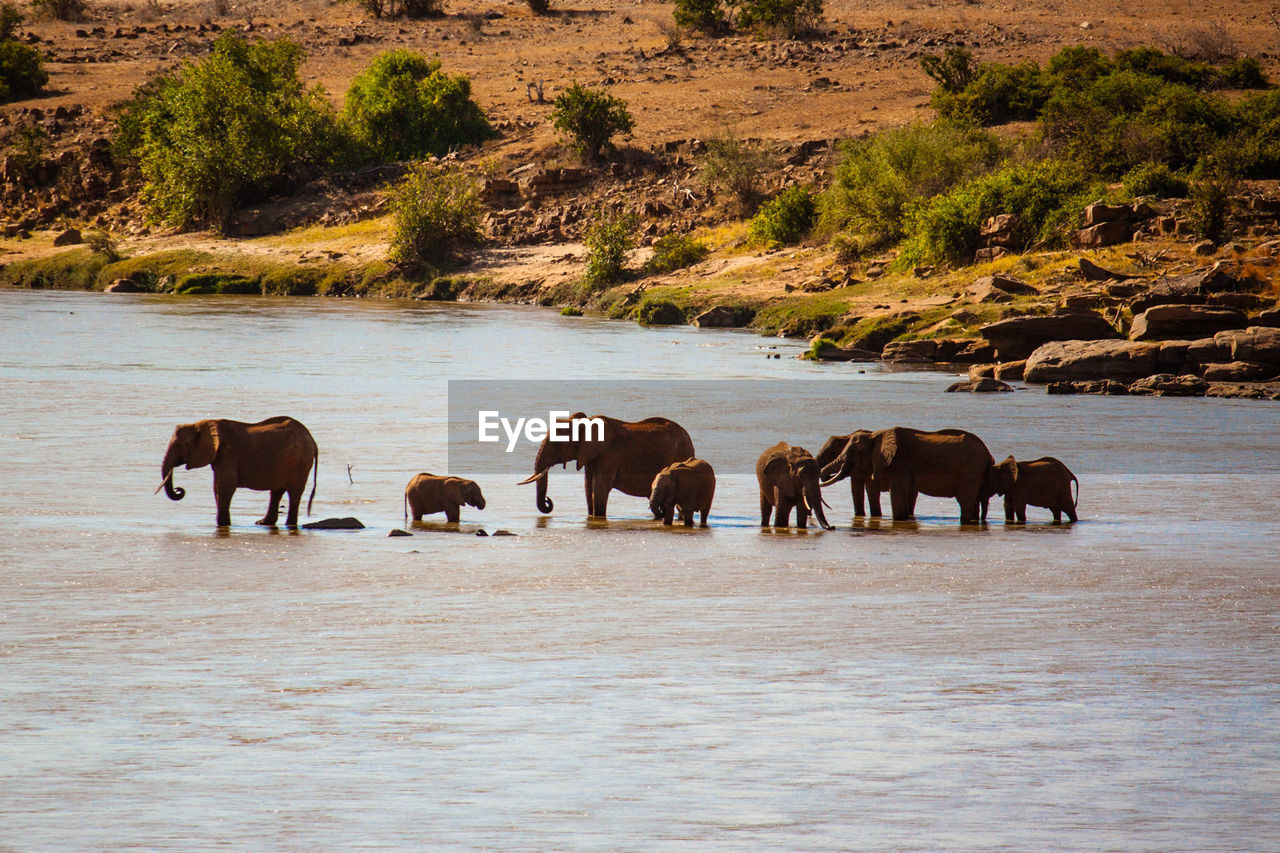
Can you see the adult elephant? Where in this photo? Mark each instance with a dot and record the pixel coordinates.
(788, 478)
(626, 457)
(859, 484)
(949, 463)
(276, 455)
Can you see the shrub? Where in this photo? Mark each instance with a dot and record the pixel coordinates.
(609, 241)
(735, 166)
(953, 71)
(709, 16)
(28, 146)
(879, 179)
(539, 7)
(1211, 196)
(203, 284)
(659, 312)
(292, 281)
(62, 10)
(231, 128)
(1243, 73)
(1154, 179)
(570, 311)
(407, 8)
(998, 94)
(1077, 66)
(674, 252)
(785, 219)
(101, 243)
(436, 212)
(404, 106)
(1045, 197)
(22, 71)
(792, 17)
(590, 118)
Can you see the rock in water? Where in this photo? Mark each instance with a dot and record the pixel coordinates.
(347, 523)
(981, 386)
(398, 532)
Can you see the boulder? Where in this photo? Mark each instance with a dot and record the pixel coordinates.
(1161, 322)
(346, 523)
(398, 532)
(1169, 385)
(1109, 387)
(724, 317)
(835, 353)
(124, 285)
(1245, 390)
(1270, 318)
(1071, 360)
(1099, 213)
(1093, 272)
(981, 386)
(1190, 289)
(1206, 351)
(1237, 371)
(1018, 337)
(1002, 283)
(982, 371)
(1172, 356)
(973, 351)
(1104, 234)
(70, 237)
(1000, 230)
(1256, 343)
(1010, 371)
(910, 352)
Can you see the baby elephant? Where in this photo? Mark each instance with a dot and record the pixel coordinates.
(1042, 482)
(427, 493)
(689, 485)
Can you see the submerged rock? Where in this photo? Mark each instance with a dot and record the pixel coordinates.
(345, 523)
(398, 532)
(981, 386)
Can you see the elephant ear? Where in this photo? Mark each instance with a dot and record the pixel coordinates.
(451, 490)
(1011, 465)
(591, 446)
(888, 449)
(207, 445)
(778, 472)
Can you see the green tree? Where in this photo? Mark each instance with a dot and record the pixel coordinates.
(22, 71)
(709, 16)
(609, 239)
(590, 118)
(231, 128)
(436, 212)
(404, 106)
(793, 17)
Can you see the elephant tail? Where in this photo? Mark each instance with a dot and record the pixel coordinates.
(1075, 500)
(315, 479)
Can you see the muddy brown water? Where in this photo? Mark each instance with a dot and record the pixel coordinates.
(1111, 685)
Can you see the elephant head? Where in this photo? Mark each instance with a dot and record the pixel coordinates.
(194, 445)
(1003, 478)
(460, 491)
(663, 495)
(583, 445)
(806, 475)
(843, 456)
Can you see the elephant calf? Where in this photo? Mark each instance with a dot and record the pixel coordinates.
(688, 485)
(1042, 482)
(428, 493)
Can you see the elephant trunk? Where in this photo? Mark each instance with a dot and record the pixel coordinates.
(813, 500)
(172, 492)
(545, 504)
(836, 471)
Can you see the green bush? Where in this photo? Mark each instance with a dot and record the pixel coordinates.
(226, 130)
(590, 119)
(101, 243)
(659, 312)
(292, 281)
(404, 106)
(570, 311)
(733, 165)
(1076, 66)
(228, 284)
(1045, 197)
(674, 252)
(953, 71)
(792, 17)
(1154, 179)
(436, 212)
(785, 219)
(1211, 200)
(999, 94)
(62, 10)
(709, 16)
(609, 240)
(22, 71)
(407, 8)
(1243, 73)
(881, 178)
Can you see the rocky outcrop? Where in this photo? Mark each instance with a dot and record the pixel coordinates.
(1162, 322)
(910, 352)
(835, 353)
(1110, 387)
(997, 236)
(1169, 385)
(942, 350)
(1237, 371)
(1260, 344)
(1091, 359)
(1191, 289)
(1018, 337)
(1245, 390)
(1109, 224)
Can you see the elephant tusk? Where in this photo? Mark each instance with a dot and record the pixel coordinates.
(837, 478)
(159, 487)
(527, 480)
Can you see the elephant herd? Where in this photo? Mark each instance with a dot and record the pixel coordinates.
(654, 458)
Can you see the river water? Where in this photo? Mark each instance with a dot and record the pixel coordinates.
(1112, 685)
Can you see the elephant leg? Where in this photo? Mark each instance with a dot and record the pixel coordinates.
(273, 509)
(704, 517)
(1021, 511)
(1057, 515)
(873, 501)
(766, 509)
(223, 489)
(601, 488)
(295, 501)
(451, 513)
(900, 499)
(687, 516)
(669, 515)
(782, 516)
(856, 487)
(1071, 513)
(1008, 510)
(802, 516)
(591, 494)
